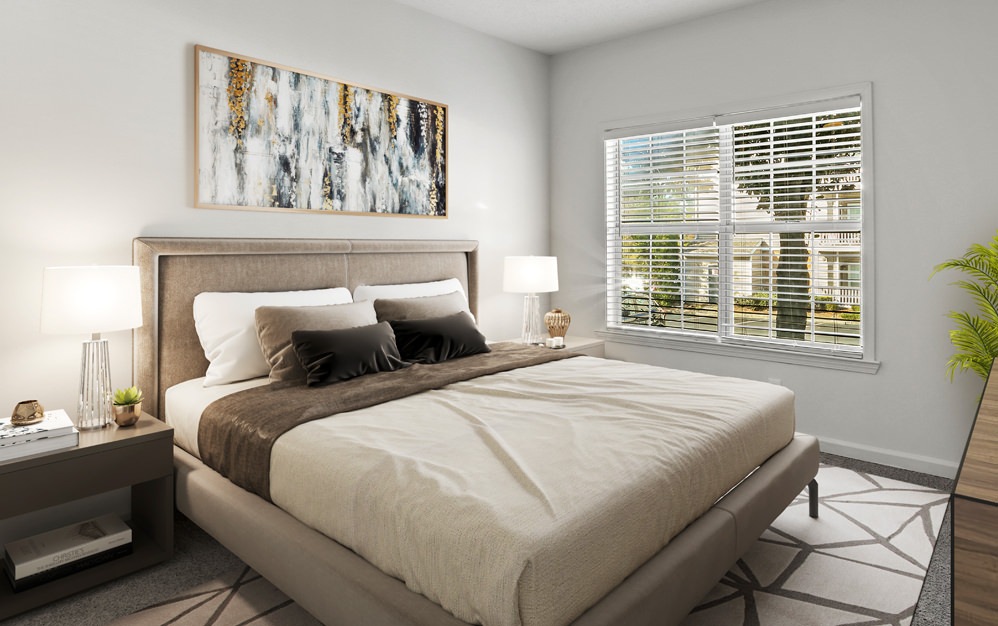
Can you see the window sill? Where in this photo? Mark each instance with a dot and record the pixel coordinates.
(828, 361)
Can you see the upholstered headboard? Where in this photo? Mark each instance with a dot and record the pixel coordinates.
(174, 270)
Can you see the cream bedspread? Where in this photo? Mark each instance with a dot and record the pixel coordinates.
(522, 498)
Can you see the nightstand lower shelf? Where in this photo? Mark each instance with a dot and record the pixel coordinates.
(145, 552)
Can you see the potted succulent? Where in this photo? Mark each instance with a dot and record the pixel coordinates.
(127, 406)
(976, 336)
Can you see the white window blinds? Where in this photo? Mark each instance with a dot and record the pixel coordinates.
(748, 230)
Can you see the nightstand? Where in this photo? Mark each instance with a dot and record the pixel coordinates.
(585, 345)
(140, 457)
(582, 345)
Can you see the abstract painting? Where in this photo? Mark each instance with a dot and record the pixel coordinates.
(275, 138)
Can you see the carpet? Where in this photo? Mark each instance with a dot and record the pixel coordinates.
(861, 563)
(239, 597)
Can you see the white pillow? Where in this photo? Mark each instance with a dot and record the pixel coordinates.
(408, 290)
(226, 326)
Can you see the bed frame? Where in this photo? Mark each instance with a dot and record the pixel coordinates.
(330, 581)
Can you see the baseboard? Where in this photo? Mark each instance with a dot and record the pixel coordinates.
(913, 462)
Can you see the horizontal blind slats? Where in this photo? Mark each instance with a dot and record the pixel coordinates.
(751, 264)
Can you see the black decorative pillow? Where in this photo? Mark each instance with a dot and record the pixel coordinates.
(439, 338)
(329, 356)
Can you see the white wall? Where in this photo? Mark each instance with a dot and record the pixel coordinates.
(96, 144)
(936, 153)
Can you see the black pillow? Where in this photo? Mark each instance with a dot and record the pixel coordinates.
(439, 338)
(329, 356)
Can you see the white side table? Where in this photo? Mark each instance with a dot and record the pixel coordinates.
(582, 345)
(585, 345)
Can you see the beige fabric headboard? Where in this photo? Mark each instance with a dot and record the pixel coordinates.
(166, 350)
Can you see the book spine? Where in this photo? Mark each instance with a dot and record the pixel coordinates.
(20, 441)
(27, 582)
(70, 555)
(37, 446)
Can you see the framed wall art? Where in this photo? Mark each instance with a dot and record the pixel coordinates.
(270, 137)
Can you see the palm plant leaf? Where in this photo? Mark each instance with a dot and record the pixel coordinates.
(975, 336)
(978, 261)
(985, 296)
(977, 344)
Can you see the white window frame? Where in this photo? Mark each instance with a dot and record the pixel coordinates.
(760, 109)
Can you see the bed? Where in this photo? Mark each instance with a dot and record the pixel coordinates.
(331, 581)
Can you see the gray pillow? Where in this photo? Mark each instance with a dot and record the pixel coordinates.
(274, 325)
(421, 308)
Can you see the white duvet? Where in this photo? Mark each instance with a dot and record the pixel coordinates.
(523, 497)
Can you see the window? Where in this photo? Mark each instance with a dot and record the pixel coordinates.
(742, 230)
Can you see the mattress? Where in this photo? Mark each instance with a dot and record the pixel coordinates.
(521, 497)
(186, 401)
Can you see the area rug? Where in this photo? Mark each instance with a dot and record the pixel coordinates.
(239, 597)
(860, 563)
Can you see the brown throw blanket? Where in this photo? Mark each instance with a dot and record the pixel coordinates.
(237, 432)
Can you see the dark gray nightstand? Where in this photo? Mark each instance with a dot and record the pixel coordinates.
(140, 457)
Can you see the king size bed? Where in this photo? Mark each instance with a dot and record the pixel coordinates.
(541, 491)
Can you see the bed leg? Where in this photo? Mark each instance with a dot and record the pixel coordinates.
(812, 495)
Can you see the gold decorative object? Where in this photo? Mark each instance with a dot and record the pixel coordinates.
(27, 412)
(557, 322)
(126, 414)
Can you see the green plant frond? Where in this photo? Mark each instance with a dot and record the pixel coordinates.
(967, 342)
(986, 298)
(964, 362)
(980, 251)
(981, 328)
(983, 268)
(974, 335)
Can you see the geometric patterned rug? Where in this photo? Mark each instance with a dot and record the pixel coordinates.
(240, 597)
(861, 562)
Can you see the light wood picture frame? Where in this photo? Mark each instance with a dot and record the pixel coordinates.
(274, 138)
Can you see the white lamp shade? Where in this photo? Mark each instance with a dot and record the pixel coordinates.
(91, 299)
(530, 274)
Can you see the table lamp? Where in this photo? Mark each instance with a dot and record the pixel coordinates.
(91, 300)
(530, 275)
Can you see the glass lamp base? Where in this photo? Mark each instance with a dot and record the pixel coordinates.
(94, 407)
(530, 332)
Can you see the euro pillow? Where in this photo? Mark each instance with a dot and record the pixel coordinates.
(226, 327)
(421, 308)
(274, 325)
(330, 356)
(408, 290)
(438, 339)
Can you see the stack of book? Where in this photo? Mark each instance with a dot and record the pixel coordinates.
(55, 432)
(39, 559)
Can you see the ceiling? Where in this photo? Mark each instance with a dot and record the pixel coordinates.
(553, 26)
